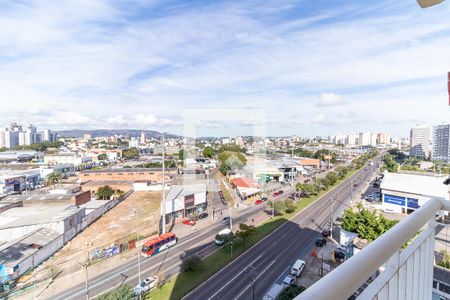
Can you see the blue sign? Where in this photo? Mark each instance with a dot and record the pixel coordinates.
(397, 200)
(413, 203)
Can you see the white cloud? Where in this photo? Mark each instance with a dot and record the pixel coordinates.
(330, 99)
(146, 120)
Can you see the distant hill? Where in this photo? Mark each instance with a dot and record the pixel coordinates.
(110, 132)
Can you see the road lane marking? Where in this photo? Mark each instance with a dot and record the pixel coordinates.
(257, 277)
(237, 275)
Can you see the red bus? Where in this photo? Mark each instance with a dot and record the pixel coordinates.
(158, 244)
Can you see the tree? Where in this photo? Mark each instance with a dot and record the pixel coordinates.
(367, 224)
(332, 177)
(303, 152)
(52, 179)
(390, 164)
(319, 154)
(131, 153)
(105, 192)
(290, 292)
(102, 156)
(181, 155)
(208, 152)
(230, 160)
(122, 293)
(245, 231)
(191, 263)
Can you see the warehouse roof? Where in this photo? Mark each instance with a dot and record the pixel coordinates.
(416, 184)
(177, 191)
(15, 251)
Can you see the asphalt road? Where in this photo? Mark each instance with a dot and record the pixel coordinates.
(269, 261)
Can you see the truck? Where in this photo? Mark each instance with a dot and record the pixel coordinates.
(274, 291)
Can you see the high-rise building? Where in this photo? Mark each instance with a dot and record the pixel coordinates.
(383, 138)
(441, 143)
(364, 139)
(419, 139)
(11, 139)
(351, 139)
(142, 137)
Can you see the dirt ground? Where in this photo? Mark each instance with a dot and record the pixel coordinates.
(118, 224)
(116, 184)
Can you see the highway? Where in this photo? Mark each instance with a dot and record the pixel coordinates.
(269, 260)
(268, 257)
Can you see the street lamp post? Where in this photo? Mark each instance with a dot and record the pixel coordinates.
(163, 211)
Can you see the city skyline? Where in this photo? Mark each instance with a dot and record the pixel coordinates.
(103, 65)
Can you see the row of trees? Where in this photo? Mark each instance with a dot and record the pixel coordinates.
(367, 224)
(231, 160)
(283, 206)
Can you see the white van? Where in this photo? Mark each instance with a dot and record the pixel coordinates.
(298, 268)
(225, 231)
(274, 291)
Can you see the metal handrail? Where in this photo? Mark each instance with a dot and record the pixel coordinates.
(343, 281)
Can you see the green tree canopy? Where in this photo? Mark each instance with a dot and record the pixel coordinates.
(52, 179)
(389, 163)
(208, 152)
(367, 224)
(102, 156)
(105, 192)
(230, 160)
(245, 231)
(181, 154)
(290, 292)
(130, 153)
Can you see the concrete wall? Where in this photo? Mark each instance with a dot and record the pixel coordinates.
(127, 175)
(17, 232)
(83, 198)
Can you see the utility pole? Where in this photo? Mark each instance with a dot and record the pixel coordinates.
(292, 166)
(85, 266)
(137, 249)
(163, 210)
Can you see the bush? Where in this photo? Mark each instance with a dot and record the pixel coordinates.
(191, 263)
(290, 292)
(122, 293)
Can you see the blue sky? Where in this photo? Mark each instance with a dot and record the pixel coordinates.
(299, 67)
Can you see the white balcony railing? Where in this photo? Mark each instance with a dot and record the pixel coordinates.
(407, 274)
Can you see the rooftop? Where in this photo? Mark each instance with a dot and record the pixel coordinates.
(416, 184)
(178, 191)
(13, 252)
(31, 215)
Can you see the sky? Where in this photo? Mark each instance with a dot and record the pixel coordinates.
(307, 67)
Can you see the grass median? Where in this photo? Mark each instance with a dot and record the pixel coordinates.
(185, 282)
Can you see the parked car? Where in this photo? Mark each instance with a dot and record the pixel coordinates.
(203, 215)
(146, 285)
(298, 268)
(188, 222)
(275, 194)
(339, 256)
(326, 232)
(307, 180)
(226, 220)
(264, 199)
(288, 281)
(280, 192)
(220, 241)
(321, 242)
(259, 201)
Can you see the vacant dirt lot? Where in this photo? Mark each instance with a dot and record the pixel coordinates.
(140, 209)
(117, 184)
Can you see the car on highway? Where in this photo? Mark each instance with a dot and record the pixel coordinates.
(321, 242)
(288, 281)
(146, 285)
(188, 222)
(203, 215)
(298, 267)
(226, 220)
(259, 201)
(221, 237)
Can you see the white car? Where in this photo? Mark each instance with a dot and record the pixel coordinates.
(288, 281)
(146, 285)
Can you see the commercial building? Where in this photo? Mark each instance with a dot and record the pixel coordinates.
(419, 139)
(364, 139)
(79, 161)
(65, 170)
(128, 174)
(27, 252)
(19, 221)
(405, 193)
(441, 143)
(185, 200)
